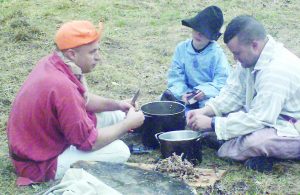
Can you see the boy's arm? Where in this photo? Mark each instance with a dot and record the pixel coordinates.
(176, 76)
(220, 74)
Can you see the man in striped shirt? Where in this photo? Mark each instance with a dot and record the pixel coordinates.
(257, 111)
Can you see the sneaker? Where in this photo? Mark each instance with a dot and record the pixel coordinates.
(260, 163)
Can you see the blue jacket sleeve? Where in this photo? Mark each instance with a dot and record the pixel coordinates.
(176, 76)
(220, 71)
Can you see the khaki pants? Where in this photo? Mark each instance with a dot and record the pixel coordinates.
(116, 151)
(263, 142)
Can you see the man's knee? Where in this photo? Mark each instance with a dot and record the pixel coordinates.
(109, 118)
(258, 139)
(123, 151)
(117, 152)
(258, 143)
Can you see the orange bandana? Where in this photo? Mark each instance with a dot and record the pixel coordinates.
(76, 33)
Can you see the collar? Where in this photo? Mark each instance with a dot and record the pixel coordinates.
(76, 70)
(73, 67)
(191, 50)
(200, 50)
(267, 54)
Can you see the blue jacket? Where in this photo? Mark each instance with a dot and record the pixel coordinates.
(207, 70)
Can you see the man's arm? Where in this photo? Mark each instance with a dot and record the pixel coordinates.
(106, 135)
(206, 110)
(100, 104)
(232, 96)
(264, 109)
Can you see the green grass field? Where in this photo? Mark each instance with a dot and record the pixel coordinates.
(137, 47)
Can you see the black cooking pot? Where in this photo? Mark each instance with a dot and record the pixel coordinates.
(161, 116)
(187, 142)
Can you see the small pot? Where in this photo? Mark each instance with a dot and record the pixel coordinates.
(187, 142)
(161, 116)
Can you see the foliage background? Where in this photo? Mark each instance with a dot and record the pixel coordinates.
(137, 47)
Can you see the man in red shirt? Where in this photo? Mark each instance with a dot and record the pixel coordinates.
(53, 122)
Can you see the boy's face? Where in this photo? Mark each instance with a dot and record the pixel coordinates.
(199, 40)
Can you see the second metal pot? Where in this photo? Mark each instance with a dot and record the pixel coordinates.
(161, 116)
(187, 142)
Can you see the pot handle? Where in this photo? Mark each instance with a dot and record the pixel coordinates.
(203, 135)
(156, 136)
(147, 115)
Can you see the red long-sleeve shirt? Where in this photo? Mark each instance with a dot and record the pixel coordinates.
(47, 116)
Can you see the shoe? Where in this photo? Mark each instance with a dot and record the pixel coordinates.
(168, 96)
(139, 149)
(260, 163)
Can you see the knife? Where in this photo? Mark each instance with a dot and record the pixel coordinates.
(135, 97)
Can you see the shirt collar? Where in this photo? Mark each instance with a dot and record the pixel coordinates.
(76, 70)
(191, 50)
(73, 67)
(267, 53)
(200, 50)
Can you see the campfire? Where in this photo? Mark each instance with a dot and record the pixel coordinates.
(176, 167)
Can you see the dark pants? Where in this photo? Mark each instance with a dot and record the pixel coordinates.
(168, 96)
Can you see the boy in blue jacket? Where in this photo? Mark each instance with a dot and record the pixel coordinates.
(199, 68)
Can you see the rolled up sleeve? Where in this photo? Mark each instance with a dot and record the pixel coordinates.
(89, 142)
(76, 125)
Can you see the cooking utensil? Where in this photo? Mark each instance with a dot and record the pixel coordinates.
(161, 116)
(187, 142)
(135, 97)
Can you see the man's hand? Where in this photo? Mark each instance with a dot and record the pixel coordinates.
(125, 105)
(197, 121)
(134, 118)
(110, 133)
(206, 110)
(199, 111)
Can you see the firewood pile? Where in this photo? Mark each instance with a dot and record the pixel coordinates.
(178, 168)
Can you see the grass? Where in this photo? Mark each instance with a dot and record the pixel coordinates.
(137, 47)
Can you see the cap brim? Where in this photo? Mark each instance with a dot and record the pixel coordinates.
(189, 23)
(194, 24)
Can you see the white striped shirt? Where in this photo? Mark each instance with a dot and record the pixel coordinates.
(257, 98)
